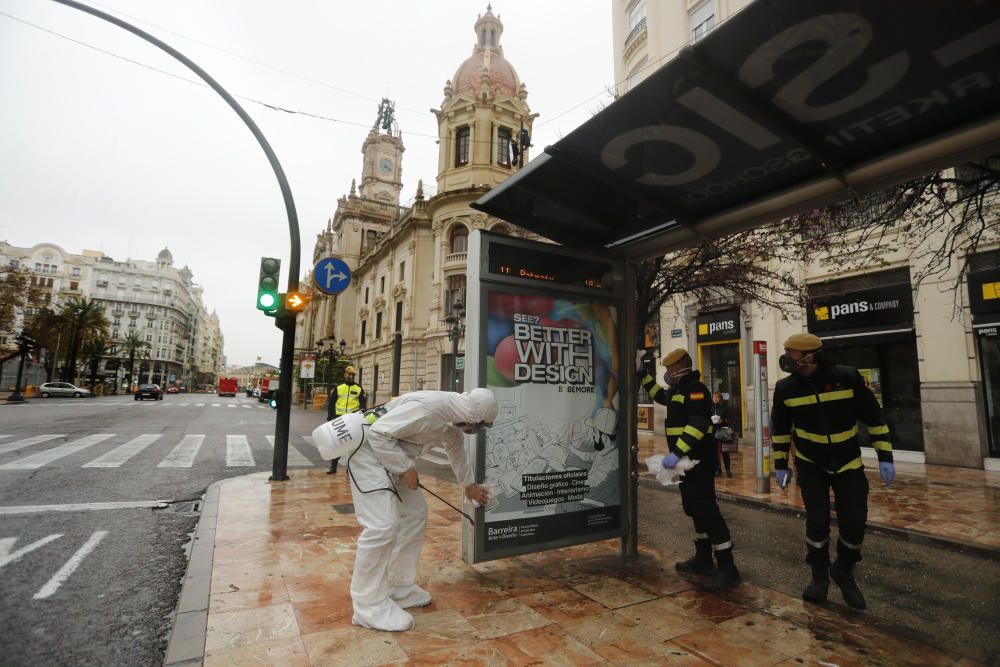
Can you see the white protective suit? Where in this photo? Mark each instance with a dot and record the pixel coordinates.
(388, 552)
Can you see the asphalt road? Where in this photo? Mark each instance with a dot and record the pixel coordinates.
(938, 596)
(82, 581)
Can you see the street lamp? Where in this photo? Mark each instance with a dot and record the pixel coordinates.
(456, 329)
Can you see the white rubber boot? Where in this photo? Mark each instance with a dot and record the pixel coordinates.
(410, 596)
(387, 616)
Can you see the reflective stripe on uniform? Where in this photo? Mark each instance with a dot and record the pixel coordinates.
(781, 439)
(839, 395)
(883, 445)
(878, 430)
(856, 547)
(817, 545)
(723, 546)
(675, 430)
(801, 400)
(835, 438)
(691, 430)
(780, 455)
(678, 397)
(850, 465)
(701, 536)
(683, 446)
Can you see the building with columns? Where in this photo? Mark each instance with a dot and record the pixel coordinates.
(409, 263)
(930, 353)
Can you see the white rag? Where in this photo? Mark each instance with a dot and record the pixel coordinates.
(669, 476)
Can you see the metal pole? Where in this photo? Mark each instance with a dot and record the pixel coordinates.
(628, 397)
(397, 359)
(17, 397)
(288, 340)
(761, 430)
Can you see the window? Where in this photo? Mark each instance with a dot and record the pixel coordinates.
(378, 326)
(399, 317)
(118, 321)
(459, 239)
(14, 264)
(75, 272)
(637, 75)
(462, 143)
(364, 331)
(366, 295)
(38, 267)
(73, 285)
(402, 271)
(636, 15)
(48, 282)
(149, 338)
(456, 292)
(371, 236)
(381, 285)
(702, 21)
(504, 145)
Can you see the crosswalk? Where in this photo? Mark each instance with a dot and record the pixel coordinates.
(111, 450)
(178, 404)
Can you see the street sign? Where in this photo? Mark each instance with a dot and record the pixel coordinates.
(460, 363)
(308, 369)
(331, 275)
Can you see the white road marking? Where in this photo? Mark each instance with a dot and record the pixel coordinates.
(44, 458)
(230, 406)
(295, 457)
(238, 451)
(27, 442)
(5, 436)
(182, 456)
(79, 507)
(216, 405)
(123, 453)
(198, 405)
(7, 543)
(245, 406)
(60, 577)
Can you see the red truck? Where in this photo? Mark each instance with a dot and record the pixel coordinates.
(228, 386)
(266, 385)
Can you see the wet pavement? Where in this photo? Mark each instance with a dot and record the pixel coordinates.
(278, 572)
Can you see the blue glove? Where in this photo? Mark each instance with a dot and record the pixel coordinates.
(670, 460)
(888, 472)
(783, 477)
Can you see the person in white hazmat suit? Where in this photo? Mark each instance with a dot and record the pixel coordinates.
(389, 505)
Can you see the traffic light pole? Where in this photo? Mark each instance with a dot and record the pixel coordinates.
(288, 341)
(17, 397)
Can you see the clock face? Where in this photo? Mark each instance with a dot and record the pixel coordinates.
(385, 165)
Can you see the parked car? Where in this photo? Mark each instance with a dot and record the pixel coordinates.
(148, 391)
(173, 390)
(62, 389)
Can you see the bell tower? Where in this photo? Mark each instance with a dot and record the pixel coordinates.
(382, 170)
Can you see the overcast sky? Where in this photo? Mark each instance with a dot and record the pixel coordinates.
(101, 153)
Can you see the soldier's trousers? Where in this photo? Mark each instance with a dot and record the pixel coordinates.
(698, 500)
(850, 490)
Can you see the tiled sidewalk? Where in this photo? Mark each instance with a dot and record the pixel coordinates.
(279, 595)
(954, 504)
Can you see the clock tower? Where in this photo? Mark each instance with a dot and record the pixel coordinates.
(382, 173)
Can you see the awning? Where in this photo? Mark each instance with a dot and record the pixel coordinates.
(788, 106)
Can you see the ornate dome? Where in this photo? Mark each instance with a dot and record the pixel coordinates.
(165, 257)
(487, 66)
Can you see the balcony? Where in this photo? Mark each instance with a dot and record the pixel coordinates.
(636, 38)
(455, 258)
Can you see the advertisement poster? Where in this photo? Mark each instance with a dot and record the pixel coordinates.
(554, 455)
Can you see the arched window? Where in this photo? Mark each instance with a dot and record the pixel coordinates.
(482, 38)
(462, 144)
(504, 141)
(455, 292)
(493, 37)
(459, 239)
(501, 229)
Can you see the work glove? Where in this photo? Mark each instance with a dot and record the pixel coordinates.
(888, 472)
(640, 363)
(783, 477)
(716, 419)
(670, 460)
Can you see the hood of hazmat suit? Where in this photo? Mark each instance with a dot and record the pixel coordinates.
(339, 437)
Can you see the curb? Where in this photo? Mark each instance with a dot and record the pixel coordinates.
(905, 534)
(186, 646)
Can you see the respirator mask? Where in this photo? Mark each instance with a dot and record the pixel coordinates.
(789, 365)
(673, 379)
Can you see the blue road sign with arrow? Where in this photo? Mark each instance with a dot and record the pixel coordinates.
(331, 275)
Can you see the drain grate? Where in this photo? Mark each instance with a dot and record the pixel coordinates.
(182, 507)
(344, 509)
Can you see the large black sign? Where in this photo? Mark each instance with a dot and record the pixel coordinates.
(984, 296)
(720, 325)
(796, 97)
(872, 309)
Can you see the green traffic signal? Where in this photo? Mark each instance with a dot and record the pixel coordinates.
(267, 284)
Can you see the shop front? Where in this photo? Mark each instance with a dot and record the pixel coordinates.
(719, 358)
(984, 302)
(867, 322)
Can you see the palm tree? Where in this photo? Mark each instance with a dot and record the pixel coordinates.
(133, 346)
(93, 350)
(49, 328)
(86, 317)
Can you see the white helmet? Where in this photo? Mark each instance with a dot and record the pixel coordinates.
(341, 436)
(483, 405)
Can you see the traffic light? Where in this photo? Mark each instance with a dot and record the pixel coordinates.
(295, 302)
(25, 343)
(273, 398)
(267, 284)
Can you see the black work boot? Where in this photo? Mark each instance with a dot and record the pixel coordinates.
(725, 576)
(701, 562)
(333, 467)
(816, 590)
(843, 576)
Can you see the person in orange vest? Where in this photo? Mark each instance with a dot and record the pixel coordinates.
(347, 397)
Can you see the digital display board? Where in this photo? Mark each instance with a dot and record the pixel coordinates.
(510, 261)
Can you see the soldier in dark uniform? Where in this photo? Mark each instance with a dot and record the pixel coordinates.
(819, 405)
(689, 432)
